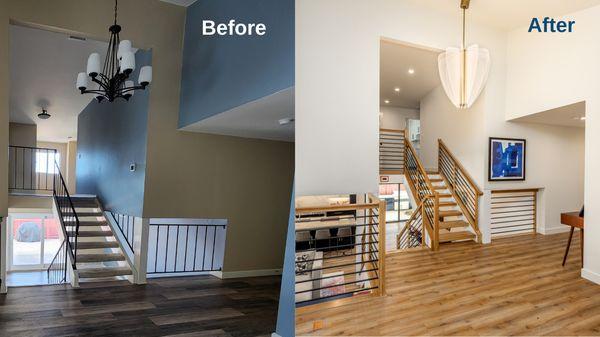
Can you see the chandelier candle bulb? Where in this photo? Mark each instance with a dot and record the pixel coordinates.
(124, 47)
(145, 76)
(129, 94)
(93, 65)
(128, 62)
(82, 81)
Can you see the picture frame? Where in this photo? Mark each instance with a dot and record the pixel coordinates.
(507, 159)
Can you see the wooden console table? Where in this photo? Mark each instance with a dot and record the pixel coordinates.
(575, 221)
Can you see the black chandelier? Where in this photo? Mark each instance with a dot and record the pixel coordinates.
(113, 82)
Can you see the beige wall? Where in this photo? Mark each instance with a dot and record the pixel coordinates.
(22, 202)
(188, 175)
(22, 134)
(71, 162)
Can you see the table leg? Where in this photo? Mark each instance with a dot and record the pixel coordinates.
(581, 239)
(568, 246)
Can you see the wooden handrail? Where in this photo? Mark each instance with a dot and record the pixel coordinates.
(459, 165)
(409, 147)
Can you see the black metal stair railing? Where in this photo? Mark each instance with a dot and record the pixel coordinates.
(69, 223)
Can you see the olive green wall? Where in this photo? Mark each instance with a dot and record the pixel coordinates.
(188, 175)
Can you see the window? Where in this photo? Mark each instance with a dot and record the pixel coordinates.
(44, 162)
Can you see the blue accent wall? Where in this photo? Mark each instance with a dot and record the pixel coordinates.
(287, 309)
(110, 137)
(224, 72)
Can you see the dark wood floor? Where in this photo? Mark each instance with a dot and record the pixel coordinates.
(190, 306)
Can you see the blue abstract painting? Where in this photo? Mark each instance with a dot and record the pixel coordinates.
(507, 159)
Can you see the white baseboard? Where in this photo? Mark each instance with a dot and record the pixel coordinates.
(275, 335)
(246, 273)
(554, 230)
(590, 275)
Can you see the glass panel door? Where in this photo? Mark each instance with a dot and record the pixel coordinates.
(27, 234)
(34, 241)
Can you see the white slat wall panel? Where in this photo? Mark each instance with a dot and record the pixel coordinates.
(513, 212)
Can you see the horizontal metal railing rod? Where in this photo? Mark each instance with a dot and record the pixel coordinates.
(334, 276)
(328, 258)
(337, 285)
(339, 295)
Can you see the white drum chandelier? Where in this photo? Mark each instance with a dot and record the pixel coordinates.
(464, 71)
(113, 82)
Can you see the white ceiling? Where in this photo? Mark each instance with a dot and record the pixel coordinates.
(396, 60)
(508, 14)
(568, 115)
(183, 3)
(43, 70)
(257, 119)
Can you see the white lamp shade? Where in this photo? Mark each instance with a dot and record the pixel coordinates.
(93, 65)
(128, 62)
(452, 70)
(124, 47)
(129, 84)
(82, 81)
(145, 75)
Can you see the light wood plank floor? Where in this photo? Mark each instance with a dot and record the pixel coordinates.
(515, 286)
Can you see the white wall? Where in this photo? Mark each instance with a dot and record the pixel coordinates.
(442, 120)
(395, 118)
(550, 70)
(337, 84)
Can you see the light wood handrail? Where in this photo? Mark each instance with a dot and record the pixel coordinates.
(409, 147)
(461, 167)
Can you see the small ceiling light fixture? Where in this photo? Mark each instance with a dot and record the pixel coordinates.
(464, 71)
(387, 101)
(397, 89)
(286, 121)
(44, 114)
(582, 118)
(113, 82)
(411, 71)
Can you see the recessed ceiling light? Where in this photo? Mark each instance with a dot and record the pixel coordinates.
(411, 71)
(397, 89)
(582, 118)
(387, 101)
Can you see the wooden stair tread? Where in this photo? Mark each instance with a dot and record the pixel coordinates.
(91, 233)
(96, 245)
(445, 195)
(103, 272)
(100, 257)
(436, 180)
(443, 214)
(453, 224)
(447, 203)
(456, 236)
(439, 187)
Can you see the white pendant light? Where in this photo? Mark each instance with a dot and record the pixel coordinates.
(464, 71)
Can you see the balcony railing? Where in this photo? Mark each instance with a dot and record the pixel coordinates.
(340, 247)
(31, 169)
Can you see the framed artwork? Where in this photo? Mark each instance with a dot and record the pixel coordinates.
(506, 159)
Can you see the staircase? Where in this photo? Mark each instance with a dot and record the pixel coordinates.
(452, 222)
(98, 254)
(90, 251)
(448, 202)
